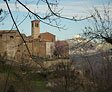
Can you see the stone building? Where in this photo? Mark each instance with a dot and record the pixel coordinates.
(13, 47)
(47, 36)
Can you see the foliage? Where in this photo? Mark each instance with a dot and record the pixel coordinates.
(24, 78)
(2, 60)
(11, 89)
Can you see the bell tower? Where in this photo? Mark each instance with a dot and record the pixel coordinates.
(35, 28)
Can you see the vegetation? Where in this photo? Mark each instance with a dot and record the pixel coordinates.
(21, 79)
(61, 49)
(99, 28)
(63, 77)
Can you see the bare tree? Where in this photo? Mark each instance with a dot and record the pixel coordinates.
(65, 78)
(100, 29)
(52, 15)
(60, 49)
(102, 67)
(1, 11)
(3, 15)
(50, 18)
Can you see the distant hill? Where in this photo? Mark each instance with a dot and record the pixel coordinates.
(78, 45)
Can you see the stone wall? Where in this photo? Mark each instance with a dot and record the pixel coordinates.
(47, 36)
(39, 48)
(7, 43)
(49, 46)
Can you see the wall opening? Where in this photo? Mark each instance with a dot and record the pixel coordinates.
(11, 37)
(0, 35)
(36, 24)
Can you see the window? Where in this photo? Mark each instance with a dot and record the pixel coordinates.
(0, 35)
(52, 39)
(39, 36)
(36, 24)
(32, 24)
(18, 50)
(11, 37)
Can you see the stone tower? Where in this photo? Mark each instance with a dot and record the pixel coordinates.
(35, 29)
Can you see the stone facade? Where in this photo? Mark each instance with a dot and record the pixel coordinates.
(39, 44)
(9, 40)
(13, 47)
(35, 29)
(47, 36)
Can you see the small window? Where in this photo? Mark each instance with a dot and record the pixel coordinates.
(52, 39)
(32, 24)
(0, 35)
(36, 24)
(39, 36)
(18, 50)
(11, 37)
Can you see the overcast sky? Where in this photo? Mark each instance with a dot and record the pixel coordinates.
(80, 8)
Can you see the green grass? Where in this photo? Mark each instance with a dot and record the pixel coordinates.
(39, 85)
(38, 80)
(35, 80)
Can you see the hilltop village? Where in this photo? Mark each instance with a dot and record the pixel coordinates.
(12, 46)
(48, 72)
(39, 44)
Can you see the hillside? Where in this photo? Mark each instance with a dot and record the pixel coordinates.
(78, 45)
(20, 78)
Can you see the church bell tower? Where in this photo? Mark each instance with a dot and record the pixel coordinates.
(35, 29)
